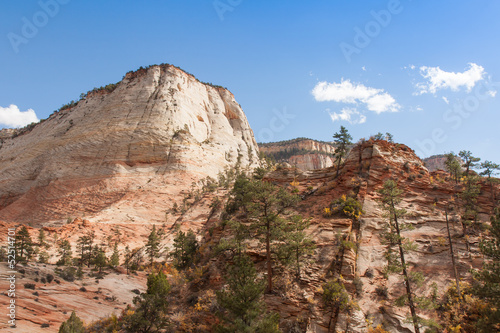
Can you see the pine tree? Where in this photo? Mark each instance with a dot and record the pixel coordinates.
(127, 258)
(264, 204)
(390, 198)
(153, 245)
(115, 257)
(490, 169)
(72, 325)
(342, 140)
(453, 166)
(24, 245)
(65, 253)
(452, 253)
(242, 300)
(298, 244)
(185, 248)
(487, 280)
(469, 196)
(150, 314)
(469, 160)
(335, 299)
(100, 259)
(85, 246)
(42, 240)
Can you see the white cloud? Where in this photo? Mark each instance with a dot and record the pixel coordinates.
(363, 69)
(438, 79)
(376, 100)
(11, 116)
(350, 115)
(446, 100)
(492, 93)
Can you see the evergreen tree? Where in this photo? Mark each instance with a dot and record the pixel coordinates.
(490, 169)
(65, 253)
(264, 204)
(127, 258)
(153, 245)
(72, 325)
(452, 253)
(100, 259)
(150, 314)
(242, 300)
(24, 245)
(342, 140)
(389, 137)
(115, 257)
(453, 166)
(85, 246)
(42, 240)
(335, 299)
(390, 198)
(298, 244)
(469, 195)
(487, 280)
(470, 161)
(184, 251)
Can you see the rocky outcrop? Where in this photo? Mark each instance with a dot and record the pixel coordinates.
(305, 154)
(299, 303)
(368, 165)
(145, 140)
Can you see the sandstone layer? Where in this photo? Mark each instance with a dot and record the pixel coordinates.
(158, 131)
(305, 154)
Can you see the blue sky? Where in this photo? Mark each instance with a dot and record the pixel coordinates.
(427, 72)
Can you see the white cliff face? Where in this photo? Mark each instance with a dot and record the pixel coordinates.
(305, 154)
(159, 126)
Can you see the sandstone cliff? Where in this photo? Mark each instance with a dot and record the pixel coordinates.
(367, 166)
(145, 139)
(305, 154)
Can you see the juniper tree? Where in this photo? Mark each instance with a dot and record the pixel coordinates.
(242, 300)
(341, 140)
(390, 199)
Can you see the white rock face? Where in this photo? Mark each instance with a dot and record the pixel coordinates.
(159, 126)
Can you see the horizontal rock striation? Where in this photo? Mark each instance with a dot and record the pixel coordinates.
(159, 126)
